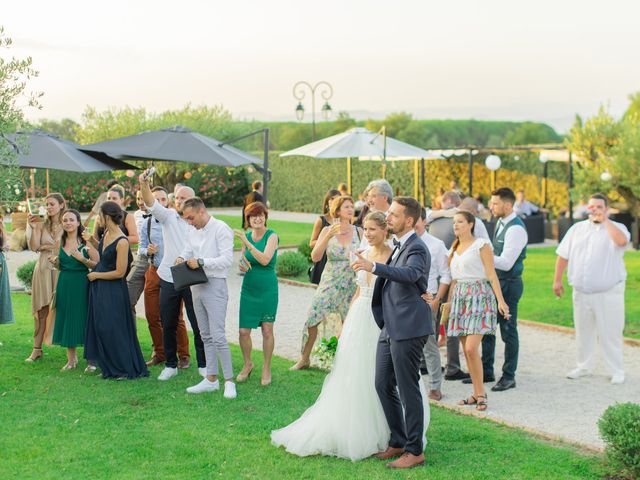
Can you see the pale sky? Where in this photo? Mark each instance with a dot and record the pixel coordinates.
(486, 59)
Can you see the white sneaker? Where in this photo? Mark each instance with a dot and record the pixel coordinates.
(167, 373)
(202, 372)
(577, 373)
(230, 389)
(617, 379)
(205, 385)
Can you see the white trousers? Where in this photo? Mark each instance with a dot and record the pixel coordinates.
(599, 318)
(210, 304)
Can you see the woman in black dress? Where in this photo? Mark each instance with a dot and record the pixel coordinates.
(324, 220)
(111, 340)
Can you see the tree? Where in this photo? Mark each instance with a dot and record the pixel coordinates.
(66, 128)
(113, 123)
(14, 74)
(610, 150)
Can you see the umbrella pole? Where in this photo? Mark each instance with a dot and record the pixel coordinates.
(32, 179)
(349, 174)
(47, 175)
(544, 184)
(416, 183)
(423, 181)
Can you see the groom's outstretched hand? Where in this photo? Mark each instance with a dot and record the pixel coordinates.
(361, 263)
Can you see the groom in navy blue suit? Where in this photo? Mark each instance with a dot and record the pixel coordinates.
(405, 320)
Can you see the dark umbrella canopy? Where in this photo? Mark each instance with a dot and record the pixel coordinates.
(39, 149)
(178, 144)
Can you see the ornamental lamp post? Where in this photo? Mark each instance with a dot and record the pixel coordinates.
(326, 91)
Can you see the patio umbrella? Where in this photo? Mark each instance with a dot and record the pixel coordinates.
(178, 144)
(365, 145)
(39, 149)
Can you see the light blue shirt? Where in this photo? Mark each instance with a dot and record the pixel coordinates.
(156, 239)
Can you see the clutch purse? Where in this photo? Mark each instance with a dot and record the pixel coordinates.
(184, 277)
(445, 309)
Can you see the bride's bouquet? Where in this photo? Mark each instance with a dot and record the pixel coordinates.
(325, 352)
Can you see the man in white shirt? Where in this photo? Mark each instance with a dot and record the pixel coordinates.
(594, 252)
(210, 246)
(439, 281)
(509, 251)
(379, 198)
(175, 232)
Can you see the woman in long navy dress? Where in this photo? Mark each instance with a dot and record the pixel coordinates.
(111, 340)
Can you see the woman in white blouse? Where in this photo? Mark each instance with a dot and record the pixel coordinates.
(472, 296)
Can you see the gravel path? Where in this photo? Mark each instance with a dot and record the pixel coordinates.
(544, 399)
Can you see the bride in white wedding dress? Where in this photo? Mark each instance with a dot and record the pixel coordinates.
(347, 419)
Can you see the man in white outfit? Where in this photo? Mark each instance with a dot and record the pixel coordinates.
(594, 252)
(210, 246)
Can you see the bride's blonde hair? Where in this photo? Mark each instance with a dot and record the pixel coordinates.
(379, 219)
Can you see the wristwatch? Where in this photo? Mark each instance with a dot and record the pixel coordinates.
(200, 262)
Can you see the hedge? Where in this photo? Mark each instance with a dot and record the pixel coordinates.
(298, 183)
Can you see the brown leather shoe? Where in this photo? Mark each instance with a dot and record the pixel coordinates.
(408, 460)
(435, 395)
(183, 363)
(154, 361)
(391, 452)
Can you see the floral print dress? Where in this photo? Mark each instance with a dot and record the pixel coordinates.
(331, 301)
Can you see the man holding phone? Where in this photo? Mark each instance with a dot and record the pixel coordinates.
(593, 251)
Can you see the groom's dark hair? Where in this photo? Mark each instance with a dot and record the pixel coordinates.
(411, 207)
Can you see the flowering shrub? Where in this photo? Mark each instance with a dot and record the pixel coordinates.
(325, 353)
(217, 186)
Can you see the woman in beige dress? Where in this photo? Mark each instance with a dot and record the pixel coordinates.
(44, 238)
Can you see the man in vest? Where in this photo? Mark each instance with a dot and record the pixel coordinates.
(509, 251)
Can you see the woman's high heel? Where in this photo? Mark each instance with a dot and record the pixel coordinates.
(35, 355)
(69, 366)
(243, 378)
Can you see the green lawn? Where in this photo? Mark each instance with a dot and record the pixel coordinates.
(289, 233)
(541, 305)
(70, 425)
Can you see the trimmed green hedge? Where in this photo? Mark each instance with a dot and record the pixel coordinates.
(299, 183)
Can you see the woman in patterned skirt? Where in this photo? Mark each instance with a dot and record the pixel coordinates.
(472, 296)
(338, 282)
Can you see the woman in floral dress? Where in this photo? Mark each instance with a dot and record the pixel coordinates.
(338, 282)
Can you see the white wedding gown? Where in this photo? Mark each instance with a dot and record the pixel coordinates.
(347, 419)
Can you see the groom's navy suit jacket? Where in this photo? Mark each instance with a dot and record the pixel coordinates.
(396, 303)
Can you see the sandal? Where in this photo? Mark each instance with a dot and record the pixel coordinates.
(468, 401)
(36, 354)
(481, 405)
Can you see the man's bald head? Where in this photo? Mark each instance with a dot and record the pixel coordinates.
(181, 195)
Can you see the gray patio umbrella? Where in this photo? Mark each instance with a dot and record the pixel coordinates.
(39, 149)
(179, 144)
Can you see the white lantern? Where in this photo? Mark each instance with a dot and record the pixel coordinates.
(605, 176)
(516, 157)
(544, 157)
(493, 162)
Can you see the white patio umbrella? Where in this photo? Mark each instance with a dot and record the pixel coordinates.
(365, 145)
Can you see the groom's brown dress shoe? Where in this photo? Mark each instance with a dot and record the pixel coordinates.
(408, 460)
(390, 452)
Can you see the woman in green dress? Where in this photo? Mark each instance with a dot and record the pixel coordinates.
(6, 312)
(72, 290)
(259, 295)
